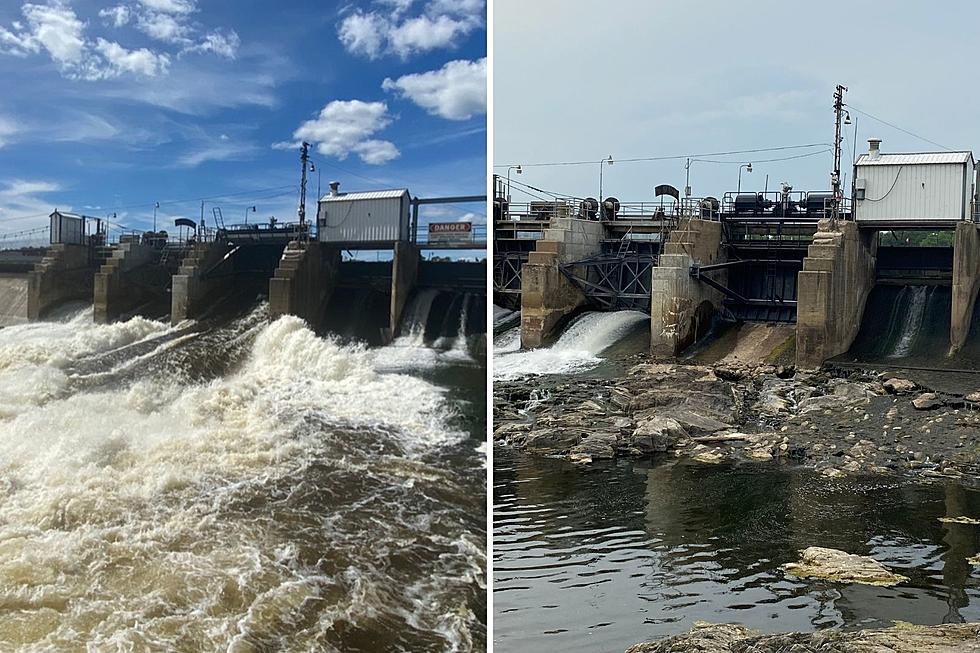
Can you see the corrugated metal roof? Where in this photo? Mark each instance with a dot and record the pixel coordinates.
(918, 158)
(366, 195)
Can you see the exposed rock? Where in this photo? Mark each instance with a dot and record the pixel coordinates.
(657, 433)
(900, 638)
(899, 386)
(959, 520)
(842, 567)
(552, 440)
(596, 446)
(703, 638)
(973, 397)
(926, 400)
(729, 372)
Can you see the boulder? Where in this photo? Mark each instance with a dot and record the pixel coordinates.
(657, 433)
(899, 386)
(842, 567)
(552, 440)
(926, 400)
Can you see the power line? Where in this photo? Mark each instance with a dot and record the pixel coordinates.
(666, 158)
(894, 126)
(783, 158)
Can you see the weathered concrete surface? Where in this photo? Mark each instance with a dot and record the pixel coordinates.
(547, 296)
(681, 307)
(191, 293)
(838, 274)
(404, 275)
(842, 567)
(304, 281)
(966, 282)
(13, 299)
(128, 279)
(901, 638)
(65, 273)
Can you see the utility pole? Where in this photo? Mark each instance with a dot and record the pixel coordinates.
(835, 175)
(305, 159)
(156, 205)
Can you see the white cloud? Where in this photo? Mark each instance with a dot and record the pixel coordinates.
(457, 91)
(57, 30)
(139, 62)
(170, 6)
(116, 16)
(345, 127)
(441, 24)
(223, 44)
(219, 149)
(163, 27)
(20, 198)
(8, 128)
(363, 34)
(425, 33)
(376, 152)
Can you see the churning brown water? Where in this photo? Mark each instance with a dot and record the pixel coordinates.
(245, 486)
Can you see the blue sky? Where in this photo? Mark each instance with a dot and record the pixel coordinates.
(112, 105)
(647, 78)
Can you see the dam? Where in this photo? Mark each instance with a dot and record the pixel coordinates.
(367, 247)
(790, 257)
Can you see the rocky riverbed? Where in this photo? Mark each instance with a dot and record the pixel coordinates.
(839, 423)
(902, 638)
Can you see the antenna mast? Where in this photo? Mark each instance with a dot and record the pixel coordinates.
(835, 175)
(305, 158)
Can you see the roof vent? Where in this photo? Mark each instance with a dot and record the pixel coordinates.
(874, 147)
(334, 188)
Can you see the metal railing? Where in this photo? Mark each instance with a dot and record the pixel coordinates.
(477, 237)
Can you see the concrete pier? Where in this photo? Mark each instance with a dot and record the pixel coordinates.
(193, 285)
(547, 296)
(66, 273)
(966, 283)
(304, 281)
(404, 276)
(681, 308)
(131, 278)
(838, 274)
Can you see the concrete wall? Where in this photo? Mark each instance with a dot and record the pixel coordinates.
(404, 275)
(547, 296)
(13, 299)
(838, 274)
(681, 307)
(304, 281)
(127, 281)
(64, 274)
(966, 282)
(192, 294)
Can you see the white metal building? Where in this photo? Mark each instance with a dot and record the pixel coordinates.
(922, 188)
(67, 228)
(364, 218)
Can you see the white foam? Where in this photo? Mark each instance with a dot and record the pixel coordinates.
(113, 504)
(577, 349)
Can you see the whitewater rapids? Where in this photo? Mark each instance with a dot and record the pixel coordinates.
(251, 487)
(576, 350)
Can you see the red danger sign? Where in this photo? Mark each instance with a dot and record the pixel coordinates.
(450, 227)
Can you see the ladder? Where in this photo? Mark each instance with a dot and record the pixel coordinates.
(624, 243)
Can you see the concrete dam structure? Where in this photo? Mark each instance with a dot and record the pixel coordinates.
(309, 270)
(784, 257)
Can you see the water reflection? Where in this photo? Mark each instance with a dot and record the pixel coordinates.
(600, 557)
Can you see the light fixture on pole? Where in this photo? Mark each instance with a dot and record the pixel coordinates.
(748, 168)
(252, 209)
(608, 160)
(519, 171)
(313, 168)
(687, 178)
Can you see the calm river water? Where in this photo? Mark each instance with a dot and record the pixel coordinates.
(600, 557)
